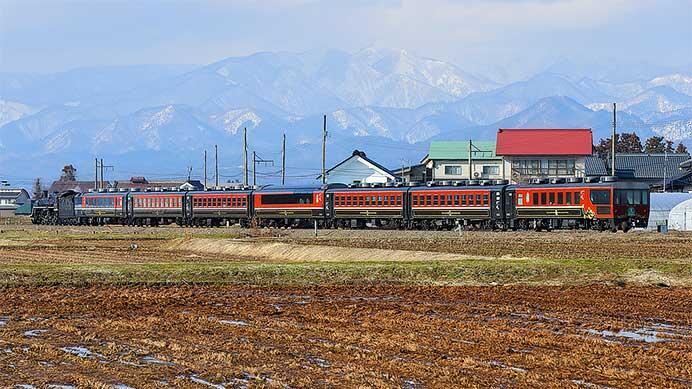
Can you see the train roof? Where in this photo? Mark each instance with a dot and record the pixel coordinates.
(616, 184)
(282, 188)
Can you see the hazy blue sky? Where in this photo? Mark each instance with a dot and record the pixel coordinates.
(47, 36)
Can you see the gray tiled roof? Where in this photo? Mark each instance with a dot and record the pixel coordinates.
(595, 166)
(649, 166)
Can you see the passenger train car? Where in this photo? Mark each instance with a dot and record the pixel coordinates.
(604, 204)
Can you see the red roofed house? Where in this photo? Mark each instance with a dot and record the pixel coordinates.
(544, 152)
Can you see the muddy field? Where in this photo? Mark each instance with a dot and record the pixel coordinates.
(223, 308)
(230, 336)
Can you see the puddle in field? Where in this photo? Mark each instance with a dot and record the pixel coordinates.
(588, 384)
(33, 333)
(655, 333)
(637, 335)
(505, 366)
(121, 386)
(4, 320)
(319, 361)
(58, 386)
(81, 352)
(25, 386)
(234, 322)
(201, 381)
(410, 384)
(154, 361)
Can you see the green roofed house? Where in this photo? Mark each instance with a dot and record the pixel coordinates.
(449, 160)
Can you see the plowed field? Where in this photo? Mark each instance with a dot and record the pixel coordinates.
(224, 308)
(394, 336)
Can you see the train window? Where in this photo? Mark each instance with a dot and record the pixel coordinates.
(449, 200)
(379, 200)
(577, 198)
(386, 201)
(560, 198)
(568, 198)
(520, 199)
(478, 200)
(373, 200)
(463, 199)
(293, 198)
(470, 198)
(600, 196)
(645, 197)
(544, 198)
(456, 200)
(486, 199)
(415, 200)
(436, 200)
(428, 199)
(392, 200)
(551, 196)
(398, 200)
(535, 198)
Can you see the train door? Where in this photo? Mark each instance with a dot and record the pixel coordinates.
(510, 210)
(187, 207)
(496, 205)
(130, 206)
(250, 201)
(328, 205)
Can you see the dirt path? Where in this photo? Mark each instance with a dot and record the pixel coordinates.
(323, 336)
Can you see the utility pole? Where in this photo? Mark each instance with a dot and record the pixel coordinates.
(324, 150)
(96, 177)
(255, 161)
(470, 160)
(216, 163)
(103, 180)
(189, 173)
(245, 156)
(205, 169)
(283, 161)
(612, 143)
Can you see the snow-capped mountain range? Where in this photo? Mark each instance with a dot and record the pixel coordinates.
(388, 102)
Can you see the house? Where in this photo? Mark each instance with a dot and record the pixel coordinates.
(142, 183)
(61, 185)
(544, 152)
(412, 173)
(358, 168)
(11, 199)
(460, 160)
(658, 170)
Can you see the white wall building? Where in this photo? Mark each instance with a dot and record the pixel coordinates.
(358, 168)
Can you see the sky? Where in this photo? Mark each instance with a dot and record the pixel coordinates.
(520, 36)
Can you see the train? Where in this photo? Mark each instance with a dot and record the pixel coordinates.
(601, 203)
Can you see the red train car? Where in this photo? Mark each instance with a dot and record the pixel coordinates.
(602, 205)
(288, 206)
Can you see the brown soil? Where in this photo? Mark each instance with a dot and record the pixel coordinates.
(374, 336)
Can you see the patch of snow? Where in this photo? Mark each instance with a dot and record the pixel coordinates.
(201, 381)
(33, 333)
(234, 322)
(80, 351)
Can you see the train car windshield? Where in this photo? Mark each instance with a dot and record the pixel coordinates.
(631, 197)
(600, 196)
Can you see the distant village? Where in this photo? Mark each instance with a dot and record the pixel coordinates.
(517, 155)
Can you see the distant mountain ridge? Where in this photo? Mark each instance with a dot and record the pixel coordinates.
(377, 99)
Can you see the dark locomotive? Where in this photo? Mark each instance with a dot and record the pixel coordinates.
(603, 204)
